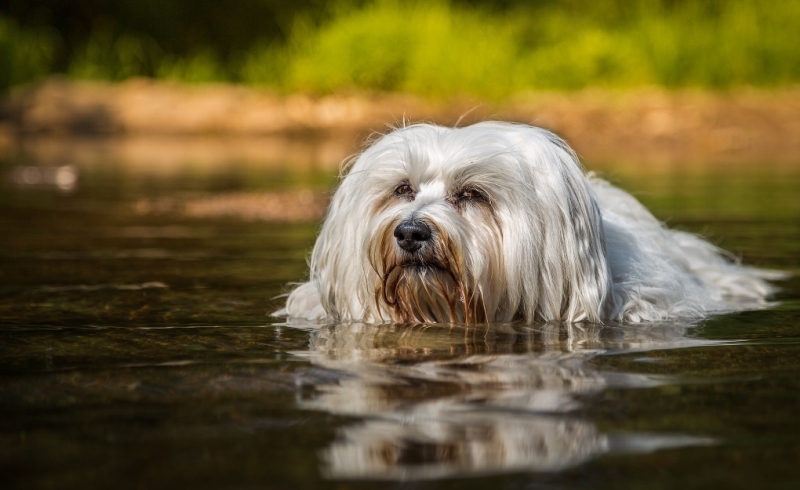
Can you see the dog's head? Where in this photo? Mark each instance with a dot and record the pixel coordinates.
(492, 222)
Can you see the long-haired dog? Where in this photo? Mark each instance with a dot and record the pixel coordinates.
(497, 222)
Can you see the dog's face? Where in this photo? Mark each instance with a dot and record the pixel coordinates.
(437, 242)
(486, 223)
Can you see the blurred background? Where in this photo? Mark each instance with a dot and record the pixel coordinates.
(640, 80)
(486, 48)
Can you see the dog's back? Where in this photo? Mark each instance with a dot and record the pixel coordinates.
(659, 273)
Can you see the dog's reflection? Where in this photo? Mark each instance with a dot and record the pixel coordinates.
(436, 401)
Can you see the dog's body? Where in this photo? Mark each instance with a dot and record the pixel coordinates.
(497, 222)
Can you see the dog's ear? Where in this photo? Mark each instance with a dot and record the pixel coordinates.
(586, 261)
(330, 263)
(584, 258)
(335, 289)
(339, 267)
(568, 278)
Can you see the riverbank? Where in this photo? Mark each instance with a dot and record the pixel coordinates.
(647, 125)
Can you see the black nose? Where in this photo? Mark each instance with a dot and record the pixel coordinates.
(411, 235)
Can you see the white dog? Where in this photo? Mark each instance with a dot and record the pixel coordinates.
(497, 222)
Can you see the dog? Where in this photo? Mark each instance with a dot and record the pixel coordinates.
(498, 222)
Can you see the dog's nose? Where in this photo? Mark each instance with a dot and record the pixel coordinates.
(411, 235)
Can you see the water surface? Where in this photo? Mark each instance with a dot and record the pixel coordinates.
(136, 348)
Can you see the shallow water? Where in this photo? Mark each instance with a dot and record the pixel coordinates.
(137, 351)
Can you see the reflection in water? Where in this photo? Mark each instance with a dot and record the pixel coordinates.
(63, 177)
(436, 401)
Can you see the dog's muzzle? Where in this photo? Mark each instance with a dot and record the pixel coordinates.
(412, 235)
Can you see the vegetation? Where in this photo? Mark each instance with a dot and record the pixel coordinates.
(25, 54)
(440, 48)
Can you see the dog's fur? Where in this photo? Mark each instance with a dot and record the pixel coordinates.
(518, 233)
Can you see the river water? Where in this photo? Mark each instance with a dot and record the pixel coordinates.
(137, 350)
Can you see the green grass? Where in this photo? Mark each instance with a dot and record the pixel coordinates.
(440, 49)
(435, 48)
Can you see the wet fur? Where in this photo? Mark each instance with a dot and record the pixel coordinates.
(545, 242)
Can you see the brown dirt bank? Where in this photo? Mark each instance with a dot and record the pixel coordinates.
(644, 125)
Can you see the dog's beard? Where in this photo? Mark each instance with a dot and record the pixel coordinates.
(429, 285)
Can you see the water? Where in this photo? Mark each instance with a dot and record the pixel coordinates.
(136, 347)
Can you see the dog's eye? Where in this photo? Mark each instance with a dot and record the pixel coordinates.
(469, 195)
(404, 190)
